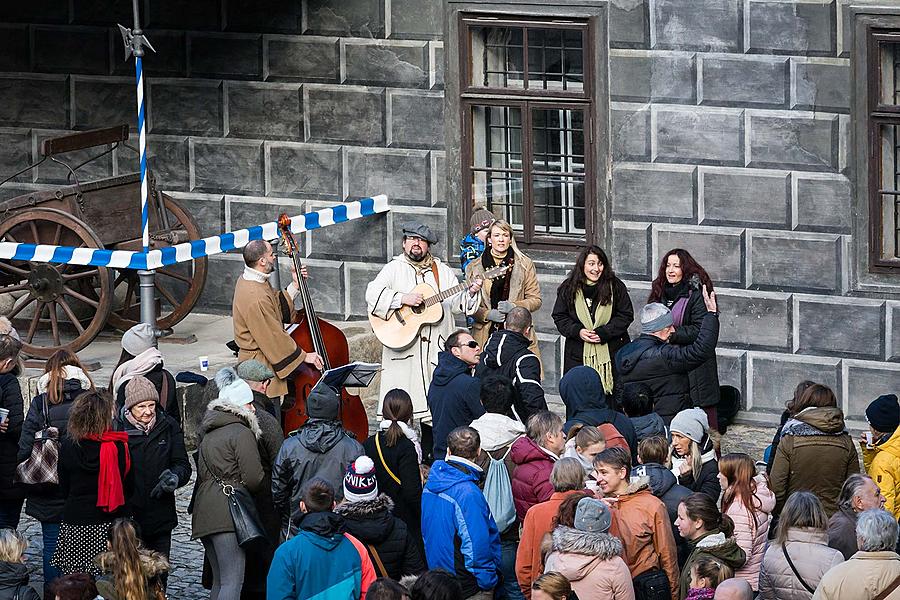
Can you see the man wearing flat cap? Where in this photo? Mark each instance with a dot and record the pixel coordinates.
(410, 369)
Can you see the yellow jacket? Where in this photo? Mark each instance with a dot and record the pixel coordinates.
(882, 463)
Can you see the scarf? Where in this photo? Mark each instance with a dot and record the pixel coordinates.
(140, 426)
(110, 491)
(595, 356)
(141, 364)
(408, 431)
(421, 266)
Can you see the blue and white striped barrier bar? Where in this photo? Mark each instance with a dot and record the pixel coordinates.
(216, 244)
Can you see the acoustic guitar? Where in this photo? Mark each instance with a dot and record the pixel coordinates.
(402, 327)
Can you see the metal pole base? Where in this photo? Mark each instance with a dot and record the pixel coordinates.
(148, 297)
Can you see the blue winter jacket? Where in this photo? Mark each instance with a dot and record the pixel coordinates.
(470, 248)
(454, 399)
(460, 534)
(319, 563)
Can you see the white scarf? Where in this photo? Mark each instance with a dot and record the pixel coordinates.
(408, 431)
(69, 372)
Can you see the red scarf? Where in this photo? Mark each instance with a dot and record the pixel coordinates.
(110, 492)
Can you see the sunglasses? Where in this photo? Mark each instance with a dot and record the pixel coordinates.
(472, 344)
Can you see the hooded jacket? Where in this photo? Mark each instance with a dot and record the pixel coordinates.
(582, 393)
(592, 563)
(716, 545)
(507, 353)
(320, 448)
(649, 426)
(153, 564)
(460, 534)
(318, 562)
(815, 453)
(373, 523)
(864, 576)
(643, 525)
(227, 451)
(751, 531)
(811, 556)
(531, 478)
(882, 464)
(664, 486)
(454, 399)
(14, 580)
(664, 367)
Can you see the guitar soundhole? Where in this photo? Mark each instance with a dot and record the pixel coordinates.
(419, 309)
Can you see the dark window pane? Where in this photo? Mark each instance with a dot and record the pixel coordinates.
(558, 140)
(501, 193)
(555, 59)
(889, 183)
(497, 137)
(889, 65)
(558, 205)
(497, 57)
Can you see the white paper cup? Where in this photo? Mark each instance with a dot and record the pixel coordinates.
(870, 439)
(204, 363)
(4, 412)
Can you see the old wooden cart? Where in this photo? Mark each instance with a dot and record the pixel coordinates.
(57, 306)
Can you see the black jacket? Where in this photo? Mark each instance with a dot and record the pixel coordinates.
(507, 354)
(79, 468)
(614, 333)
(707, 481)
(704, 379)
(47, 506)
(169, 403)
(454, 399)
(404, 463)
(582, 393)
(373, 523)
(14, 580)
(151, 454)
(664, 367)
(10, 399)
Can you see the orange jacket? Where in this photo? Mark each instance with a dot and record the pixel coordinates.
(368, 569)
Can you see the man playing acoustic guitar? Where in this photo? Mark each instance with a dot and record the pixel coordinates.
(410, 368)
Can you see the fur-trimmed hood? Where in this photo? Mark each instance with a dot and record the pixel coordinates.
(724, 548)
(572, 541)
(366, 508)
(637, 484)
(153, 564)
(828, 420)
(71, 373)
(219, 414)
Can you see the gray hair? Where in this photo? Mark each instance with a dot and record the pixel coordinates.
(876, 530)
(567, 475)
(850, 490)
(541, 423)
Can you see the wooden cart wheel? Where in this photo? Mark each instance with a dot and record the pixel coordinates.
(53, 306)
(178, 286)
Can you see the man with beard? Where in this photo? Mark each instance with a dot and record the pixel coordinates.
(259, 314)
(410, 369)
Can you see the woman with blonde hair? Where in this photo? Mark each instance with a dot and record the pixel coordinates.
(130, 572)
(13, 570)
(517, 287)
(584, 442)
(551, 586)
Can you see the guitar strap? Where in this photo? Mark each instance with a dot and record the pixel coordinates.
(437, 278)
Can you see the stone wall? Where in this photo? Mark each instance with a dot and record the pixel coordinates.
(730, 136)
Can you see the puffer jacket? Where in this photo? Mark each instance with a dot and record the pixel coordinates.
(47, 505)
(882, 464)
(320, 448)
(863, 577)
(815, 453)
(751, 531)
(153, 564)
(454, 399)
(373, 523)
(592, 563)
(713, 544)
(227, 451)
(582, 393)
(531, 479)
(649, 426)
(810, 554)
(507, 353)
(664, 367)
(14, 582)
(665, 486)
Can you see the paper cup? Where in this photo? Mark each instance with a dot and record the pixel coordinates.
(869, 438)
(4, 412)
(204, 363)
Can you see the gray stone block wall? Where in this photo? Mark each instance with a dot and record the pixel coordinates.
(729, 134)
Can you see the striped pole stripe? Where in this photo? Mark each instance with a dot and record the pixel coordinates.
(145, 226)
(216, 244)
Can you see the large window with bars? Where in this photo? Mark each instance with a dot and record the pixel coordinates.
(526, 111)
(884, 151)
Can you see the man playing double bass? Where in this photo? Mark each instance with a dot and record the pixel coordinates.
(259, 315)
(410, 369)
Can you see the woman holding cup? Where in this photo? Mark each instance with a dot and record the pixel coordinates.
(11, 417)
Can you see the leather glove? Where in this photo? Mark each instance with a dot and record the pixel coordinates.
(495, 315)
(505, 306)
(168, 482)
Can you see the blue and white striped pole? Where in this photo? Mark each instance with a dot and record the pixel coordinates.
(145, 225)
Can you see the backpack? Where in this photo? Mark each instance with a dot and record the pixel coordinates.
(498, 493)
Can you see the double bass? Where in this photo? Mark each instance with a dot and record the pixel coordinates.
(327, 341)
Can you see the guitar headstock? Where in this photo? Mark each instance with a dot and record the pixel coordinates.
(496, 272)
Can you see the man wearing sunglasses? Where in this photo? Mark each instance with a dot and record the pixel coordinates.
(454, 396)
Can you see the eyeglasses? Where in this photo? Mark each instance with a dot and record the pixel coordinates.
(471, 344)
(413, 238)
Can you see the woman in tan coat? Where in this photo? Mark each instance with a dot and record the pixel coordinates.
(518, 287)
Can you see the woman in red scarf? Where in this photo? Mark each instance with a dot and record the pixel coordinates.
(93, 465)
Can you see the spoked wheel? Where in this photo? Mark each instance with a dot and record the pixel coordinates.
(53, 306)
(178, 286)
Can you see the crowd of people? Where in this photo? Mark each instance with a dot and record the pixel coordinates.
(467, 487)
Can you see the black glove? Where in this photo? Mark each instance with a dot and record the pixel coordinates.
(168, 482)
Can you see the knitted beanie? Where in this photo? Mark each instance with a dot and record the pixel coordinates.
(138, 339)
(139, 389)
(692, 423)
(883, 414)
(481, 219)
(360, 483)
(233, 390)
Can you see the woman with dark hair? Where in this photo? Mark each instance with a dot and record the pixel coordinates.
(815, 453)
(436, 584)
(11, 495)
(677, 285)
(93, 464)
(63, 380)
(397, 454)
(593, 312)
(789, 411)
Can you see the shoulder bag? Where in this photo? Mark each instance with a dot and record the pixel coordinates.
(887, 591)
(805, 585)
(248, 526)
(378, 562)
(383, 463)
(39, 471)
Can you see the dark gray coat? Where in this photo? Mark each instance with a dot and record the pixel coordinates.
(13, 579)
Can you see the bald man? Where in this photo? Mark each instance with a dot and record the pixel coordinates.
(734, 589)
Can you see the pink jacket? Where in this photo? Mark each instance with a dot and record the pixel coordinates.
(592, 564)
(751, 531)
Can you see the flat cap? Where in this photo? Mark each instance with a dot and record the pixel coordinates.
(253, 370)
(421, 230)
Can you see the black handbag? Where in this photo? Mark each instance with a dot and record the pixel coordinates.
(652, 585)
(248, 527)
